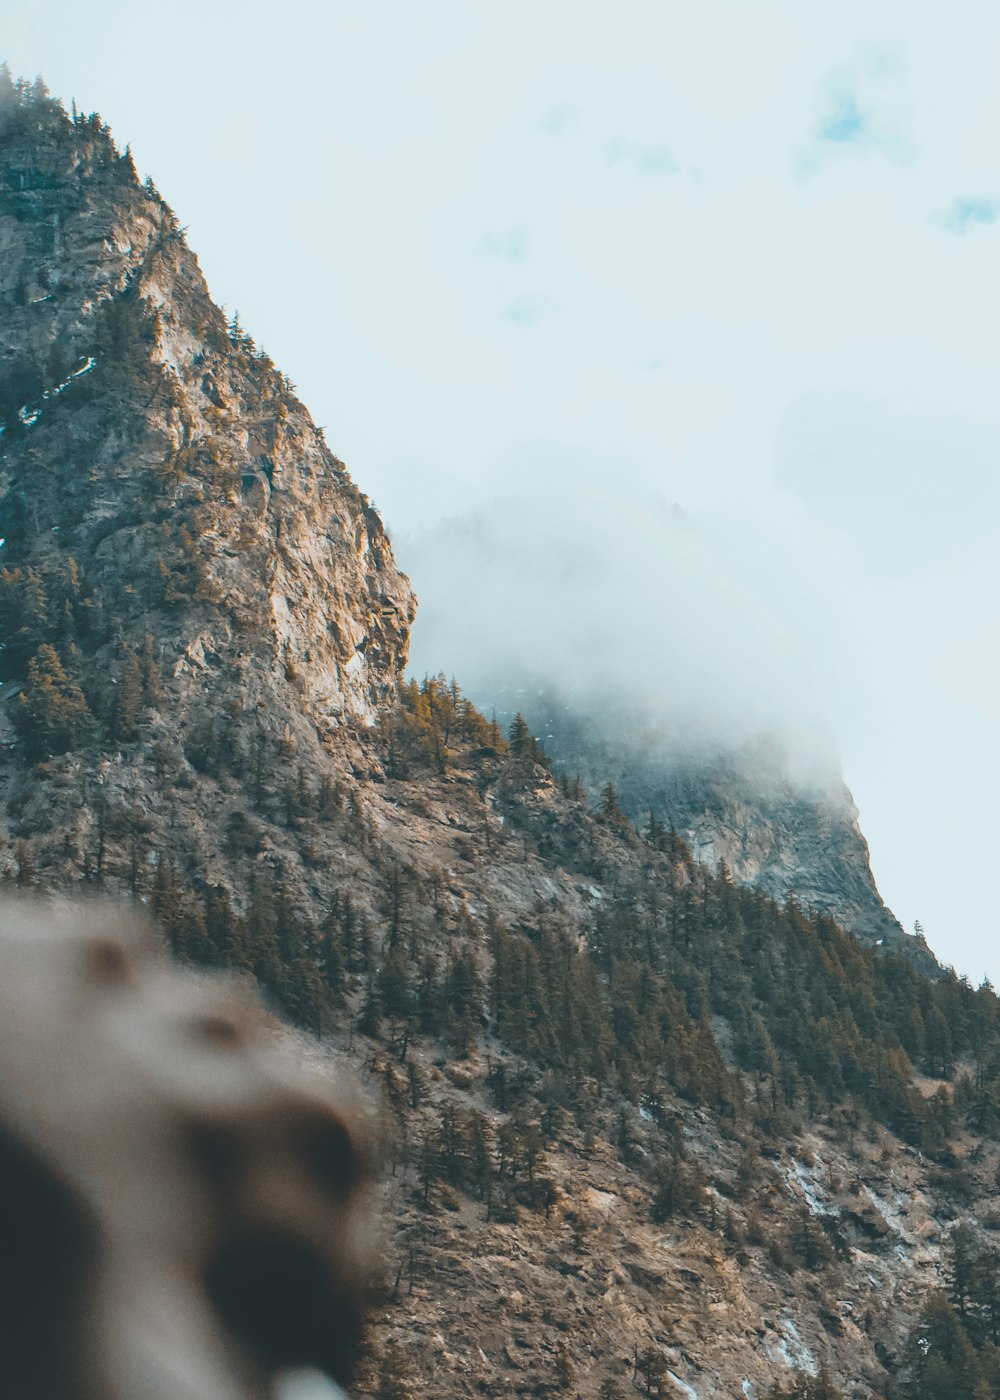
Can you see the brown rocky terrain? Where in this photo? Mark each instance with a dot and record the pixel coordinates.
(789, 835)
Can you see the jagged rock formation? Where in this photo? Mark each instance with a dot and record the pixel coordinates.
(152, 451)
(793, 836)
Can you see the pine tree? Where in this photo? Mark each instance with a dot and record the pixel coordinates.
(940, 1359)
(653, 1366)
(25, 867)
(611, 808)
(126, 706)
(54, 715)
(519, 736)
(960, 1270)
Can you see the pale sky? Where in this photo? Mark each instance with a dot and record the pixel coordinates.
(738, 256)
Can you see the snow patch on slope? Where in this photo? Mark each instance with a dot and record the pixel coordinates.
(803, 1183)
(792, 1350)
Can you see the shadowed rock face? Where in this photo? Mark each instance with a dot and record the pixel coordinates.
(145, 436)
(181, 1204)
(792, 835)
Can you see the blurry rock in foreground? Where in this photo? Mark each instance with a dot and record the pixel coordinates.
(182, 1204)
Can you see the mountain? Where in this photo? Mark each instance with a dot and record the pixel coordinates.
(153, 444)
(625, 635)
(646, 1129)
(792, 837)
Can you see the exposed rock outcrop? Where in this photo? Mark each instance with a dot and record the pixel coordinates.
(153, 445)
(794, 836)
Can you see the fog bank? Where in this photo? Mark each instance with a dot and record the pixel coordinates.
(630, 612)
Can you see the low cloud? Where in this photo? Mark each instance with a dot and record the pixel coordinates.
(616, 602)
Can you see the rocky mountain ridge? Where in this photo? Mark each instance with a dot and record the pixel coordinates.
(144, 434)
(793, 837)
(632, 645)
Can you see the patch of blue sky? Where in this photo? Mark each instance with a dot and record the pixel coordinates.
(846, 123)
(969, 212)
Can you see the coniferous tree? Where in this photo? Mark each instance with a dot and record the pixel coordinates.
(940, 1359)
(54, 715)
(611, 808)
(519, 736)
(127, 700)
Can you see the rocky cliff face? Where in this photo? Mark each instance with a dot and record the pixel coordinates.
(792, 835)
(152, 448)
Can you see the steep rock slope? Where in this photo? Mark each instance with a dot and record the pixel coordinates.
(796, 837)
(158, 450)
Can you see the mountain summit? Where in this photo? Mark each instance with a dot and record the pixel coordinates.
(159, 479)
(154, 463)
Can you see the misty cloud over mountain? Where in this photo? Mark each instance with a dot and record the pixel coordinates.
(630, 611)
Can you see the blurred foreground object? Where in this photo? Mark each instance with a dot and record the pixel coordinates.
(182, 1203)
